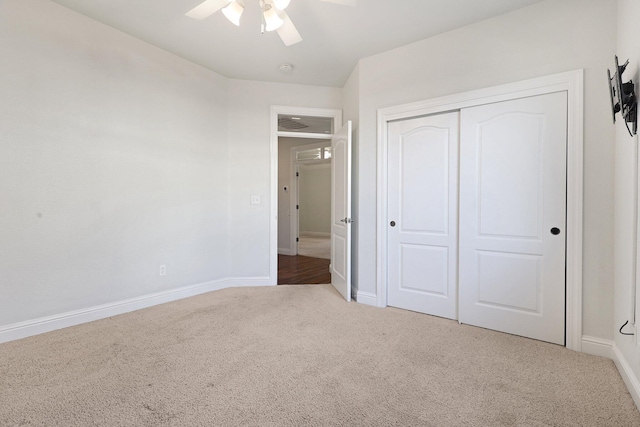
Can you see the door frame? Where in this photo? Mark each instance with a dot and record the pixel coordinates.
(570, 82)
(273, 199)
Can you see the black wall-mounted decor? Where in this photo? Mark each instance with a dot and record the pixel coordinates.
(623, 98)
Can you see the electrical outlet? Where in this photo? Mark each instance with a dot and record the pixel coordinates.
(163, 270)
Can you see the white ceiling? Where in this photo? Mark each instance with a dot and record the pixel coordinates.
(335, 37)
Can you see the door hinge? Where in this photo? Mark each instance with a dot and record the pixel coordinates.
(297, 173)
(297, 239)
(297, 206)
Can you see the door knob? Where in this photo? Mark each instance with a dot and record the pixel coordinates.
(555, 231)
(392, 223)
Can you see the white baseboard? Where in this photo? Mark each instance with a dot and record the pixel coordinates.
(610, 350)
(282, 251)
(597, 346)
(367, 298)
(63, 320)
(314, 234)
(629, 378)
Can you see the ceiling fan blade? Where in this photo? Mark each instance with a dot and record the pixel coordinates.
(207, 8)
(288, 32)
(351, 3)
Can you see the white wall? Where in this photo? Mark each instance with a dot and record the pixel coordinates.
(546, 38)
(626, 196)
(314, 196)
(249, 155)
(113, 161)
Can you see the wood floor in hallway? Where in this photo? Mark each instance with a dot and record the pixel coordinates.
(302, 270)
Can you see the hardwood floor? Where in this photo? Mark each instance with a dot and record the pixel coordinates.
(302, 270)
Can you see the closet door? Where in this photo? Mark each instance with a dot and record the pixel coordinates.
(513, 216)
(422, 214)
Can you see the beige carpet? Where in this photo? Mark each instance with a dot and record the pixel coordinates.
(298, 356)
(314, 246)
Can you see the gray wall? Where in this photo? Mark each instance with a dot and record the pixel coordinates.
(113, 161)
(249, 153)
(626, 192)
(314, 190)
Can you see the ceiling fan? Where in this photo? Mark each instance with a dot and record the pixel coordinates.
(273, 15)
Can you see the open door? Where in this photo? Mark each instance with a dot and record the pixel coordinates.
(341, 211)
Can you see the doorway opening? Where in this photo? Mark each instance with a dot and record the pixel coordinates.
(304, 211)
(301, 187)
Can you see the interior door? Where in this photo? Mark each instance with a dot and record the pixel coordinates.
(341, 211)
(422, 213)
(513, 215)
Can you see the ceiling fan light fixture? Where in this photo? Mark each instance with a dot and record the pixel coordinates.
(281, 4)
(233, 12)
(272, 20)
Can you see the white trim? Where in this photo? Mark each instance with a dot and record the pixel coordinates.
(285, 251)
(597, 346)
(305, 135)
(609, 349)
(314, 234)
(366, 298)
(629, 378)
(322, 164)
(572, 83)
(294, 214)
(71, 318)
(634, 302)
(273, 199)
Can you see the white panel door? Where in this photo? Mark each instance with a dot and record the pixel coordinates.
(513, 216)
(341, 211)
(422, 214)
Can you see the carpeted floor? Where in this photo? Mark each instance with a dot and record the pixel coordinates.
(296, 356)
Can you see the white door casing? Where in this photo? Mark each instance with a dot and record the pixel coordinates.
(423, 214)
(275, 111)
(513, 215)
(341, 211)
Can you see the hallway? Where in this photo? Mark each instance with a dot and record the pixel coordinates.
(302, 270)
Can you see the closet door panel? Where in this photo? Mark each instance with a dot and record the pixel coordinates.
(513, 216)
(422, 213)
